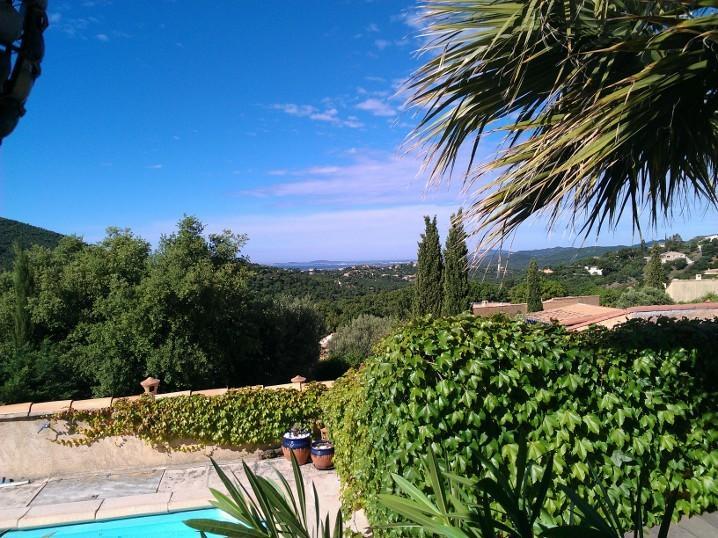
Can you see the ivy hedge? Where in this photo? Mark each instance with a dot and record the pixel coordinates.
(242, 417)
(467, 386)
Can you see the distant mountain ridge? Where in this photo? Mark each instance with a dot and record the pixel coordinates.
(518, 260)
(552, 256)
(27, 234)
(330, 265)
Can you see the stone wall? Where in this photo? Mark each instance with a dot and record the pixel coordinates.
(684, 291)
(27, 451)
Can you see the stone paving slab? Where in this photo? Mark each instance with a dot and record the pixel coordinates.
(134, 505)
(9, 517)
(103, 486)
(57, 514)
(698, 527)
(19, 496)
(192, 479)
(189, 500)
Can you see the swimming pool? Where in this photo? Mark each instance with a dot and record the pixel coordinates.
(161, 525)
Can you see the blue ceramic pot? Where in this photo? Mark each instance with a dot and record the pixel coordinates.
(299, 446)
(323, 455)
(302, 442)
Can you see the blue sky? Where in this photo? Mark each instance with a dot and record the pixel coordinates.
(277, 119)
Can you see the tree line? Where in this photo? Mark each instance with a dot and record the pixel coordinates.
(83, 320)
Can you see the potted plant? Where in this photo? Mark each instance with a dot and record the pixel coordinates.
(323, 454)
(298, 441)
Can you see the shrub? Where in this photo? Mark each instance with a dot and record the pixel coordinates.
(354, 342)
(248, 416)
(642, 296)
(472, 386)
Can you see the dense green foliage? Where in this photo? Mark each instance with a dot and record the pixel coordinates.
(653, 275)
(342, 294)
(429, 272)
(642, 296)
(354, 342)
(456, 269)
(384, 304)
(243, 417)
(533, 288)
(26, 235)
(471, 386)
(548, 288)
(108, 315)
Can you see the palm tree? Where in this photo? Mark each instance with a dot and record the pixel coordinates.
(608, 107)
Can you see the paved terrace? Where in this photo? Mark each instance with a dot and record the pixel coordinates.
(101, 496)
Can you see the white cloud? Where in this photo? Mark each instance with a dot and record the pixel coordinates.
(102, 37)
(411, 17)
(353, 234)
(373, 27)
(381, 44)
(376, 107)
(327, 115)
(155, 166)
(368, 180)
(330, 115)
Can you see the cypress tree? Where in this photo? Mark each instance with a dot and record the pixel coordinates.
(22, 286)
(456, 268)
(428, 289)
(533, 288)
(653, 274)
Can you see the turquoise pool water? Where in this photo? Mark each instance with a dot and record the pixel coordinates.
(162, 525)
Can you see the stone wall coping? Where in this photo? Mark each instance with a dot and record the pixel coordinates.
(173, 394)
(18, 410)
(39, 409)
(93, 404)
(49, 408)
(211, 392)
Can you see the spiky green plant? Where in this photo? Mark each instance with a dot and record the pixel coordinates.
(607, 106)
(269, 511)
(509, 504)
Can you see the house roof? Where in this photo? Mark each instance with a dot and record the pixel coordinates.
(576, 314)
(580, 316)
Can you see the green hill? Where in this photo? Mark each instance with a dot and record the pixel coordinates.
(28, 235)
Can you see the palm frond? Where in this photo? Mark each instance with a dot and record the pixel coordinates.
(607, 107)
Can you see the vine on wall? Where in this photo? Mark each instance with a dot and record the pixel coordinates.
(241, 418)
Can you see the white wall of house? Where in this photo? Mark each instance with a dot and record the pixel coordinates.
(685, 291)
